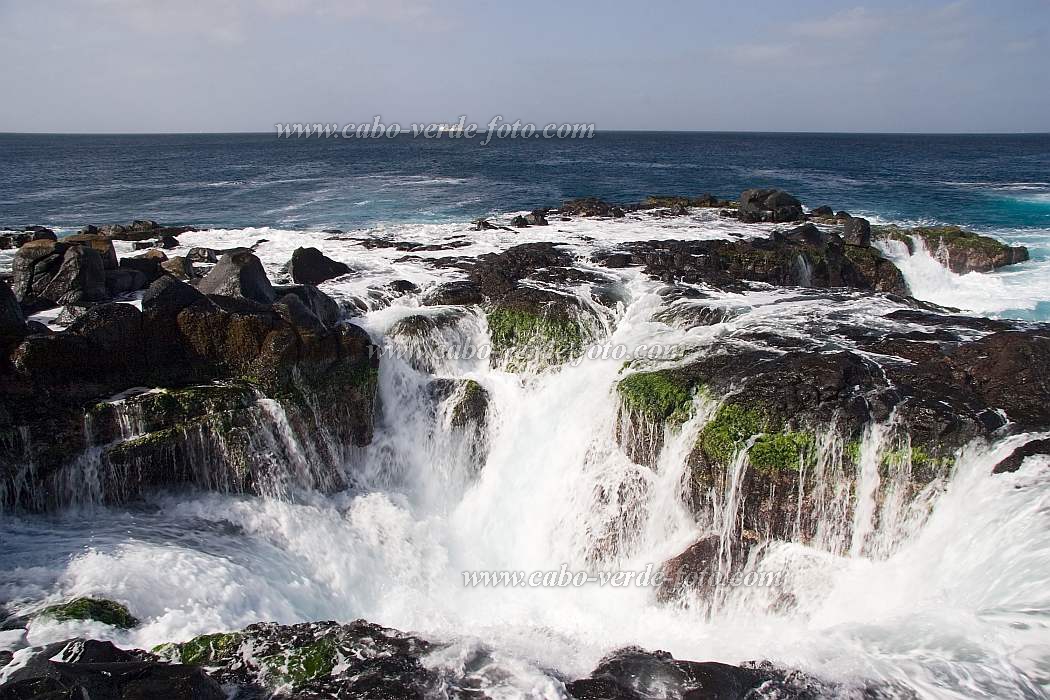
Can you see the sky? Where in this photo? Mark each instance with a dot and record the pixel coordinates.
(119, 66)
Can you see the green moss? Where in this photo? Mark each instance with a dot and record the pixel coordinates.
(656, 395)
(728, 430)
(779, 452)
(957, 238)
(513, 330)
(297, 666)
(98, 609)
(205, 650)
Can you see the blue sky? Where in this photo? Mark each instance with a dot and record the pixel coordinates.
(243, 65)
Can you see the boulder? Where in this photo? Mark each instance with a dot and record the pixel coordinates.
(320, 304)
(959, 250)
(168, 242)
(12, 320)
(81, 278)
(103, 245)
(693, 570)
(148, 264)
(856, 231)
(167, 296)
(537, 218)
(179, 267)
(311, 266)
(588, 206)
(203, 255)
(461, 293)
(33, 266)
(519, 222)
(124, 281)
(1040, 447)
(769, 205)
(239, 275)
(823, 211)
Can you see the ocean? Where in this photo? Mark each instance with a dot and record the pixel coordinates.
(945, 595)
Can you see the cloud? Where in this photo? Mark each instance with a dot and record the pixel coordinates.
(858, 21)
(228, 21)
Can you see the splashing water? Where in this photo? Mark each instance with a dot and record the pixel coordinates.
(946, 593)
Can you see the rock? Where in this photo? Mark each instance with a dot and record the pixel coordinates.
(857, 231)
(769, 205)
(114, 329)
(179, 267)
(239, 275)
(98, 610)
(635, 674)
(403, 287)
(1029, 449)
(90, 669)
(33, 266)
(320, 304)
(103, 245)
(537, 218)
(80, 278)
(811, 259)
(961, 251)
(168, 242)
(12, 320)
(706, 200)
(617, 213)
(484, 225)
(693, 570)
(311, 266)
(167, 296)
(202, 255)
(148, 264)
(462, 293)
(822, 211)
(470, 401)
(124, 281)
(519, 222)
(588, 206)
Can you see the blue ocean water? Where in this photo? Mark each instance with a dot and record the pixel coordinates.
(987, 182)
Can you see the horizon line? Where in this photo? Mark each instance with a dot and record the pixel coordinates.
(596, 131)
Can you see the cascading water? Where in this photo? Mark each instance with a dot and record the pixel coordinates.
(942, 592)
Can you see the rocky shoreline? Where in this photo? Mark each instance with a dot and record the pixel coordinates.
(189, 371)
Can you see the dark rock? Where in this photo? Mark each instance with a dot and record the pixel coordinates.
(33, 266)
(147, 263)
(537, 218)
(124, 281)
(311, 266)
(484, 225)
(961, 251)
(823, 211)
(769, 205)
(808, 234)
(403, 287)
(169, 242)
(12, 320)
(588, 206)
(103, 245)
(463, 293)
(202, 255)
(167, 296)
(636, 674)
(519, 222)
(856, 231)
(706, 200)
(1029, 449)
(239, 275)
(617, 213)
(90, 669)
(471, 401)
(80, 278)
(692, 570)
(179, 267)
(320, 304)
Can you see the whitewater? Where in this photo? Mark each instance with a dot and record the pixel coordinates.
(948, 596)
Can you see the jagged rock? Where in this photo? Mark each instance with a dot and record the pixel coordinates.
(462, 293)
(168, 242)
(961, 251)
(808, 234)
(80, 278)
(103, 245)
(471, 401)
(857, 231)
(403, 287)
(635, 674)
(588, 206)
(33, 266)
(203, 255)
(777, 261)
(167, 296)
(107, 612)
(239, 275)
(484, 225)
(769, 205)
(147, 263)
(311, 266)
(692, 570)
(519, 222)
(90, 669)
(1029, 449)
(179, 267)
(125, 281)
(320, 304)
(537, 218)
(12, 320)
(822, 211)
